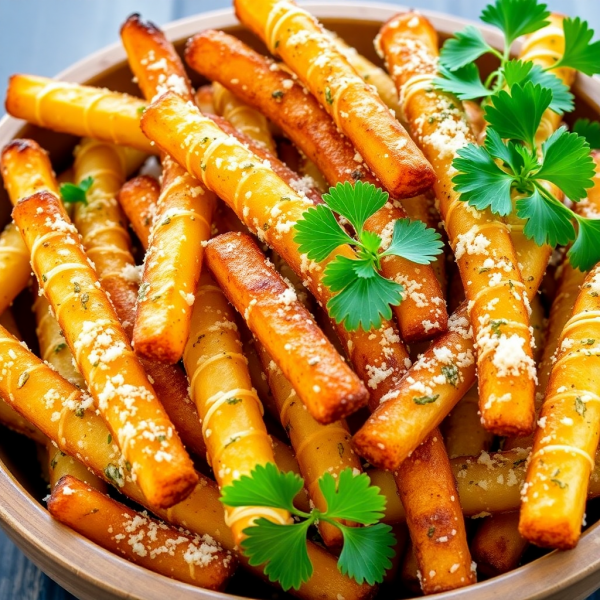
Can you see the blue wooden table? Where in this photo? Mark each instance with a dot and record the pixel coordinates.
(43, 37)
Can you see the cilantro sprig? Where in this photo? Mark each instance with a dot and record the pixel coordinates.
(283, 549)
(362, 295)
(73, 194)
(590, 130)
(459, 75)
(511, 173)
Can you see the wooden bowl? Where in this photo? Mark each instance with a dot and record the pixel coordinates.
(90, 572)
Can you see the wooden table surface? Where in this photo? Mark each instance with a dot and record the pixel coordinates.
(43, 37)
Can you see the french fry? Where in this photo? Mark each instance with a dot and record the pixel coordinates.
(269, 88)
(375, 358)
(204, 98)
(296, 36)
(243, 117)
(308, 168)
(322, 380)
(371, 74)
(435, 522)
(14, 265)
(184, 212)
(319, 448)
(229, 408)
(78, 110)
(102, 352)
(88, 438)
(138, 198)
(135, 536)
(481, 242)
(61, 465)
(409, 571)
(286, 461)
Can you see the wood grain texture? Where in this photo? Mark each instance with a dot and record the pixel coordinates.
(45, 36)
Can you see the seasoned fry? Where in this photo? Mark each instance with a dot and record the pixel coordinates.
(435, 522)
(481, 242)
(269, 88)
(204, 98)
(138, 198)
(322, 380)
(243, 117)
(357, 110)
(61, 465)
(228, 405)
(137, 537)
(319, 448)
(371, 74)
(78, 110)
(374, 357)
(14, 265)
(102, 352)
(184, 212)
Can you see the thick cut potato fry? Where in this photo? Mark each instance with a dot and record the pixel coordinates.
(243, 117)
(269, 88)
(61, 465)
(357, 110)
(102, 352)
(482, 245)
(77, 109)
(138, 538)
(14, 265)
(138, 198)
(322, 380)
(184, 212)
(253, 190)
(229, 408)
(435, 521)
(319, 448)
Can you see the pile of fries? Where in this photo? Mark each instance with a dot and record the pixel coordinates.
(153, 380)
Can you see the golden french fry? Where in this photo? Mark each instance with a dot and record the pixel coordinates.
(357, 110)
(102, 352)
(270, 89)
(14, 265)
(229, 408)
(137, 537)
(482, 245)
(138, 198)
(204, 98)
(78, 110)
(322, 380)
(434, 518)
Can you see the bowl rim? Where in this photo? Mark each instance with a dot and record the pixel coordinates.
(58, 550)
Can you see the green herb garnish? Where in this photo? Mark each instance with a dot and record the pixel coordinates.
(73, 194)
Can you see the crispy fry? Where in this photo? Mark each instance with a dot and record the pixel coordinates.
(322, 380)
(319, 448)
(184, 212)
(14, 265)
(258, 81)
(286, 461)
(237, 183)
(61, 465)
(137, 537)
(481, 242)
(372, 74)
(204, 98)
(435, 522)
(78, 110)
(102, 352)
(567, 436)
(463, 432)
(243, 117)
(138, 198)
(228, 405)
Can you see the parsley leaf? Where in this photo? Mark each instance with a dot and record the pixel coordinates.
(549, 221)
(414, 241)
(319, 234)
(366, 553)
(516, 17)
(480, 181)
(356, 202)
(590, 130)
(517, 71)
(464, 83)
(567, 163)
(274, 544)
(355, 499)
(579, 53)
(466, 47)
(585, 252)
(72, 194)
(517, 116)
(266, 486)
